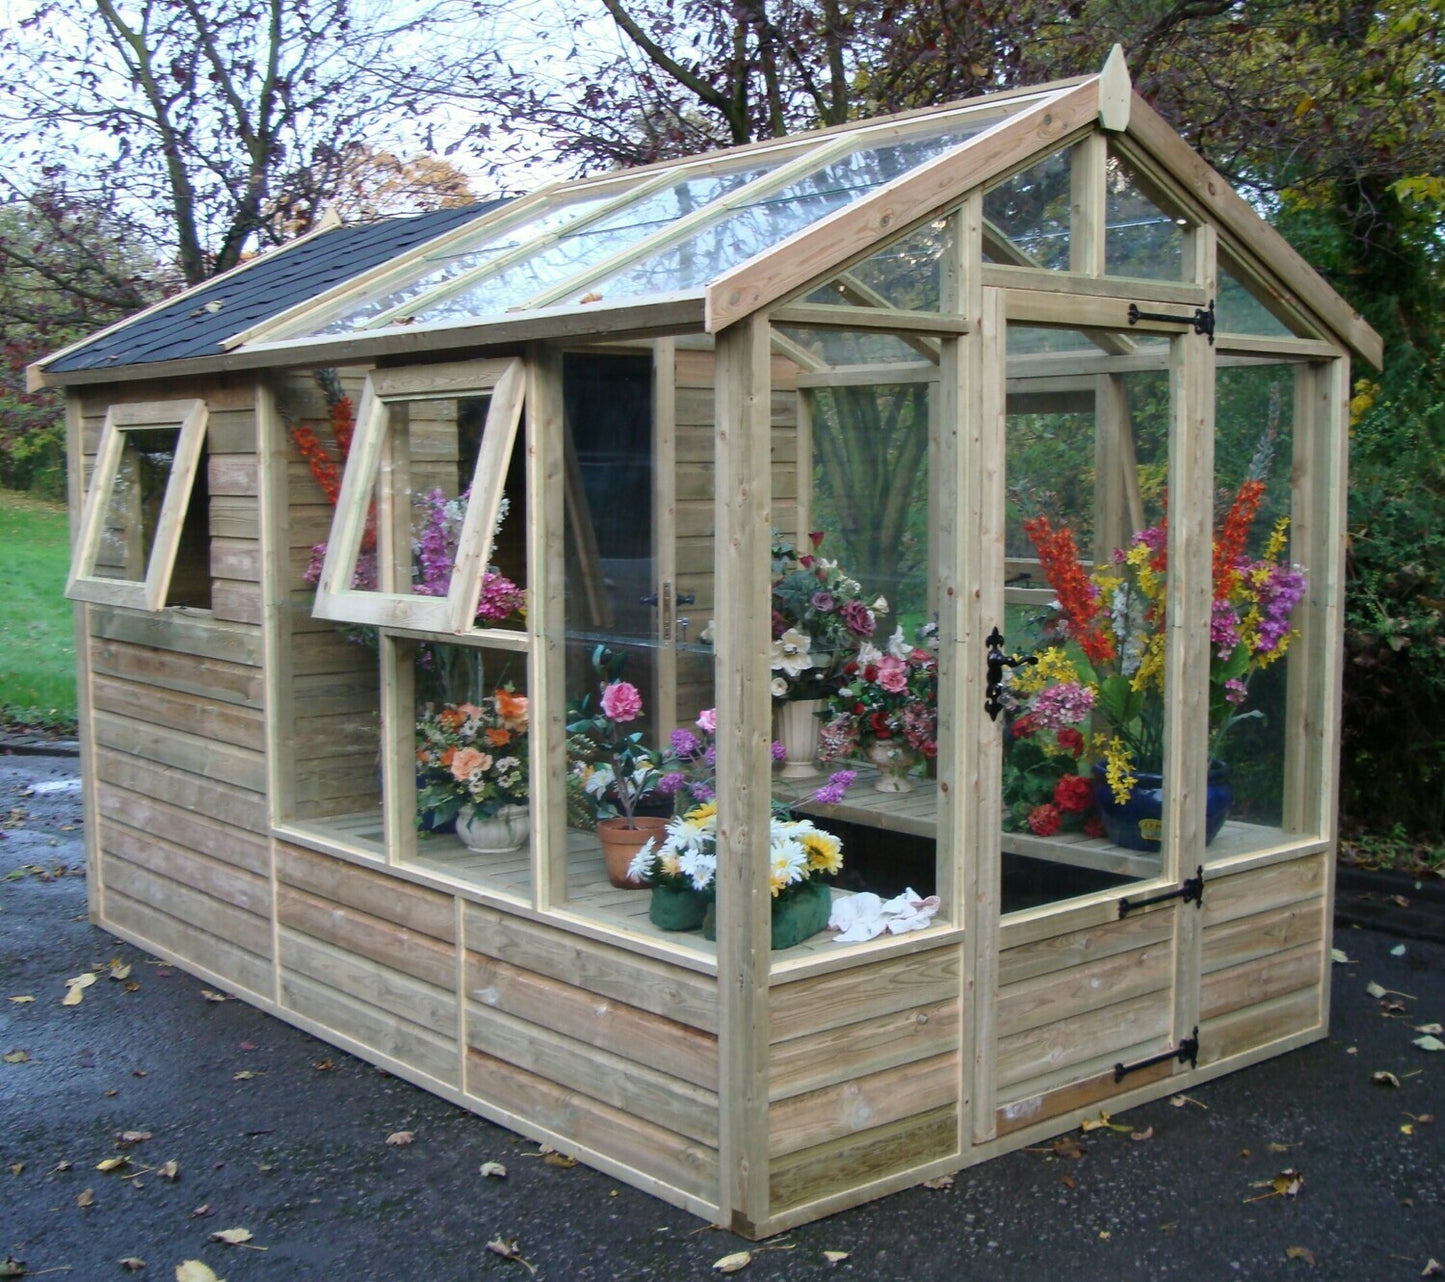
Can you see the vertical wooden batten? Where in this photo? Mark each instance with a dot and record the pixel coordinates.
(744, 767)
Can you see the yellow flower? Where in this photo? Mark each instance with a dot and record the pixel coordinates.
(1118, 769)
(705, 811)
(1053, 668)
(825, 851)
(1274, 549)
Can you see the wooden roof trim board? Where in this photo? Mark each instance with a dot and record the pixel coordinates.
(828, 245)
(1156, 137)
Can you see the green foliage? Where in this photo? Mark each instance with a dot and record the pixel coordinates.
(1394, 715)
(37, 644)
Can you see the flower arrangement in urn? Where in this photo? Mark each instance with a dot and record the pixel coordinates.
(886, 708)
(471, 761)
(1099, 691)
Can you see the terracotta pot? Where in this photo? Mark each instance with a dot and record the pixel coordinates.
(621, 842)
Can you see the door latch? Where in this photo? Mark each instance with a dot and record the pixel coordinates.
(997, 662)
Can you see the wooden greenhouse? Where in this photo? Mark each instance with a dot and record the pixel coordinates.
(1016, 358)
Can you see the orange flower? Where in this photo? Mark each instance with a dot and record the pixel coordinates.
(447, 756)
(450, 719)
(512, 709)
(1078, 601)
(1229, 547)
(498, 738)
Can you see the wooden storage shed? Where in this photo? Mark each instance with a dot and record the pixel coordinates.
(946, 340)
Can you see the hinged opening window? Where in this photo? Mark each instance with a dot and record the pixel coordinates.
(423, 496)
(136, 507)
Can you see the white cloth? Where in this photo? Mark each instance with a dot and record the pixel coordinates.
(861, 917)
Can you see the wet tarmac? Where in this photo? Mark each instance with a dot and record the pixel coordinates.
(275, 1133)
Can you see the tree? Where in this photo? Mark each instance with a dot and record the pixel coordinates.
(205, 116)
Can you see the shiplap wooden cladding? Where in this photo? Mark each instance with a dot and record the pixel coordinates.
(661, 396)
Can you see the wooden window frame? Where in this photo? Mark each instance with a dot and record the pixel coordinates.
(149, 593)
(504, 381)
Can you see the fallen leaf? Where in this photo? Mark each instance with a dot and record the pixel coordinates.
(508, 1251)
(1383, 1078)
(1407, 1128)
(322, 1065)
(1179, 1101)
(59, 1166)
(398, 1138)
(1286, 1184)
(939, 1182)
(10, 1267)
(18, 1056)
(117, 971)
(20, 1001)
(17, 1168)
(1300, 1253)
(559, 1159)
(494, 1169)
(169, 1170)
(1338, 955)
(733, 1263)
(231, 1237)
(1140, 1136)
(211, 996)
(1398, 950)
(1436, 1029)
(1375, 990)
(1432, 1269)
(195, 1271)
(86, 1197)
(835, 1257)
(1067, 1146)
(112, 1163)
(132, 1263)
(592, 297)
(202, 1211)
(1275, 1147)
(245, 1075)
(1067, 1181)
(1104, 1235)
(1095, 1123)
(132, 1137)
(75, 989)
(1352, 1050)
(1423, 1118)
(1430, 1043)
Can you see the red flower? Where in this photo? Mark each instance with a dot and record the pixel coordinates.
(1078, 601)
(1073, 795)
(1093, 826)
(1229, 547)
(879, 724)
(1025, 726)
(1070, 740)
(1044, 820)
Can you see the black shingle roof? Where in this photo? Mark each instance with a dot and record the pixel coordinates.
(192, 326)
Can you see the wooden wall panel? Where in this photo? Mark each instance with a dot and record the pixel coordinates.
(566, 1032)
(371, 957)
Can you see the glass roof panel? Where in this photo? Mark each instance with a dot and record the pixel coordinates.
(589, 245)
(1027, 215)
(1141, 239)
(774, 215)
(437, 269)
(1240, 312)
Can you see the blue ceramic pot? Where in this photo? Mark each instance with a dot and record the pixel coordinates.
(1138, 823)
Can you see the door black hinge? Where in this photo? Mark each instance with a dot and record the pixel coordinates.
(1191, 891)
(1202, 320)
(1187, 1050)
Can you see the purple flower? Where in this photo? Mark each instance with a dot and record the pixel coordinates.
(858, 619)
(709, 756)
(700, 791)
(1064, 704)
(823, 602)
(1278, 597)
(779, 752)
(831, 793)
(671, 782)
(1234, 691)
(685, 743)
(1223, 629)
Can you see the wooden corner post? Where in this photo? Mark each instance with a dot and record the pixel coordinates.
(744, 768)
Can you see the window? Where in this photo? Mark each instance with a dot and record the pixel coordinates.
(423, 497)
(138, 511)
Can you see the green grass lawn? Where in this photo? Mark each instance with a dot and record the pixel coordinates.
(37, 640)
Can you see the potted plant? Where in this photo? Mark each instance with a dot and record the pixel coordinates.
(472, 766)
(681, 868)
(1104, 678)
(886, 709)
(819, 620)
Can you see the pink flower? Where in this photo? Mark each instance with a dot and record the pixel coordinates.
(707, 720)
(892, 674)
(621, 702)
(468, 760)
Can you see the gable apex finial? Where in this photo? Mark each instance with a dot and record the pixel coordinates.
(1115, 90)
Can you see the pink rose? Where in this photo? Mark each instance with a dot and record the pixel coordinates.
(892, 674)
(707, 720)
(621, 702)
(466, 761)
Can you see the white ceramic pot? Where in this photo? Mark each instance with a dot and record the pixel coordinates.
(493, 834)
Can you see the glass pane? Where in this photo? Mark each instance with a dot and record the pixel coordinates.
(419, 504)
(437, 270)
(1086, 465)
(854, 668)
(773, 217)
(469, 805)
(1240, 312)
(1257, 590)
(1026, 217)
(849, 347)
(905, 275)
(133, 509)
(1141, 239)
(574, 252)
(329, 731)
